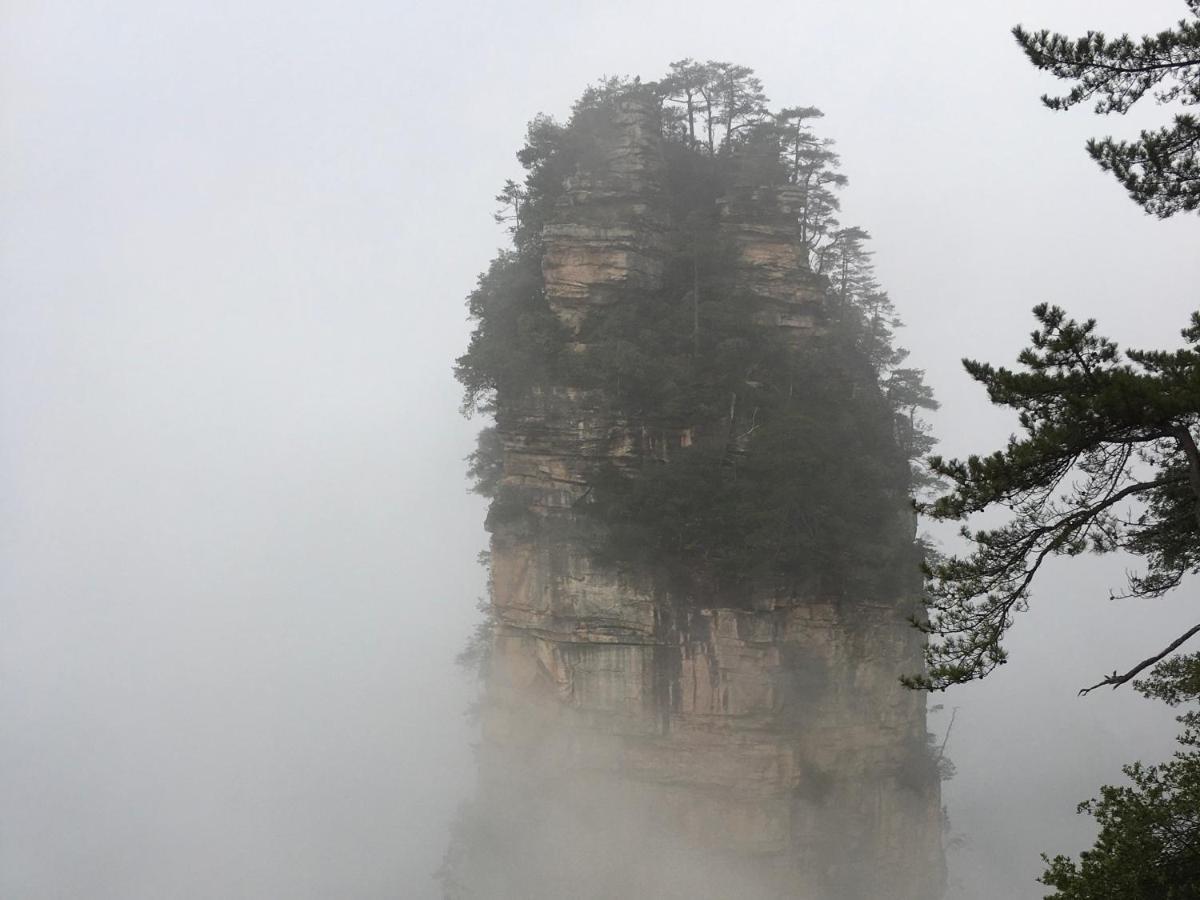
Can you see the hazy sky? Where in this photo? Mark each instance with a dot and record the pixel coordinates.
(236, 548)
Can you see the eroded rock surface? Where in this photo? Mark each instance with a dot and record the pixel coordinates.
(759, 223)
(608, 237)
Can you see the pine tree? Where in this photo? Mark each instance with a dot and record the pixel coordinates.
(1149, 840)
(712, 105)
(1107, 462)
(1161, 169)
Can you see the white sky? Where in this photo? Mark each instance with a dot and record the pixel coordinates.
(236, 551)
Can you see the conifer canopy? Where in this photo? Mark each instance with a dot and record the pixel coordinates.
(1161, 168)
(1107, 462)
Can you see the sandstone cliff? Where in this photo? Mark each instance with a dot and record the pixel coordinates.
(641, 743)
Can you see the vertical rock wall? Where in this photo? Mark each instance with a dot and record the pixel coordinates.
(609, 237)
(639, 744)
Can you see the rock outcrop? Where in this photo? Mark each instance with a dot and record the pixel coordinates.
(637, 743)
(609, 238)
(759, 224)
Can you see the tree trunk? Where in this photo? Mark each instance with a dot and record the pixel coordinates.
(695, 303)
(1183, 437)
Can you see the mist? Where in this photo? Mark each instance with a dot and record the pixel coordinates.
(238, 553)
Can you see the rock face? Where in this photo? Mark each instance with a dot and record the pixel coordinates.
(641, 744)
(759, 223)
(609, 238)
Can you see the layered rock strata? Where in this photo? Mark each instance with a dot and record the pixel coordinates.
(609, 237)
(642, 744)
(759, 224)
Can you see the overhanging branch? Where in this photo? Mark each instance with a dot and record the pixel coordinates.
(1117, 680)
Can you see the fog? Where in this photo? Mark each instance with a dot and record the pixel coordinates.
(238, 551)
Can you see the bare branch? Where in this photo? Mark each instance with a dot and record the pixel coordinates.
(1117, 680)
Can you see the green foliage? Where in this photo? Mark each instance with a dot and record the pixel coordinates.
(517, 341)
(812, 165)
(794, 464)
(809, 486)
(1176, 682)
(485, 467)
(1149, 840)
(1101, 433)
(711, 106)
(1161, 169)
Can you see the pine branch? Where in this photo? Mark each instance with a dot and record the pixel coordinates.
(1116, 680)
